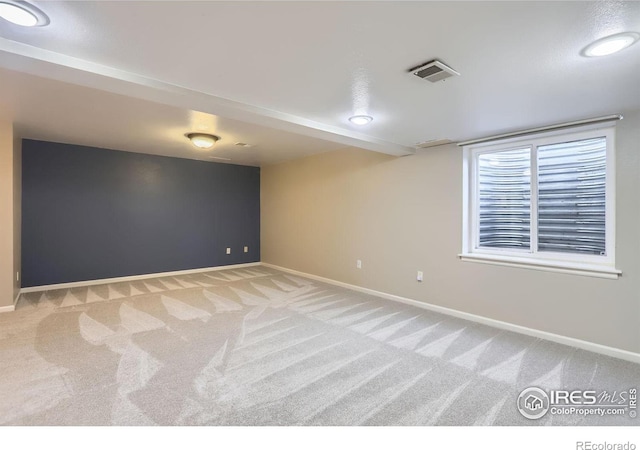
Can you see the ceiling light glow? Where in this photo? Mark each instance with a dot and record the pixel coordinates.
(203, 140)
(360, 120)
(23, 14)
(610, 44)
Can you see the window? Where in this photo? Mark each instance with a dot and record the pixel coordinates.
(544, 201)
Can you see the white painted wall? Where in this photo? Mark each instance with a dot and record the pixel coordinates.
(17, 212)
(399, 215)
(6, 214)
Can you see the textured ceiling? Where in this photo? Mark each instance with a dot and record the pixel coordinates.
(305, 67)
(60, 112)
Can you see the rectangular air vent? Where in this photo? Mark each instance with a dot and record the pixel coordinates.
(434, 71)
(433, 143)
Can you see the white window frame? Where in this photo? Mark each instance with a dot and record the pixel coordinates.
(590, 265)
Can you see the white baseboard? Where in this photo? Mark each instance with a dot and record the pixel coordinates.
(565, 340)
(11, 308)
(131, 278)
(6, 309)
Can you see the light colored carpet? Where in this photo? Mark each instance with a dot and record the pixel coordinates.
(259, 347)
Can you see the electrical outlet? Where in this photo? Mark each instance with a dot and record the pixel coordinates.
(420, 275)
(228, 250)
(359, 264)
(246, 249)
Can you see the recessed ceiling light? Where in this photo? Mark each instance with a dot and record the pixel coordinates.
(23, 14)
(360, 120)
(610, 44)
(203, 140)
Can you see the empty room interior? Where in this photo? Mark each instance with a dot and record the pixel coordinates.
(319, 213)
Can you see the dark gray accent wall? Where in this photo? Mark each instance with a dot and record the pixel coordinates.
(90, 213)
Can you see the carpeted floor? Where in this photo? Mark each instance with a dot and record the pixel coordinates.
(257, 346)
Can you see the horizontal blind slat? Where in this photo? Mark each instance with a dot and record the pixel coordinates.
(571, 197)
(504, 199)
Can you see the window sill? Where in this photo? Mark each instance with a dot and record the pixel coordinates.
(589, 270)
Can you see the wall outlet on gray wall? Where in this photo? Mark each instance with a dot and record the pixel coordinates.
(228, 250)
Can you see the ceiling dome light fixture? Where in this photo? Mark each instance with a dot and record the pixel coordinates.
(610, 44)
(22, 13)
(360, 120)
(203, 140)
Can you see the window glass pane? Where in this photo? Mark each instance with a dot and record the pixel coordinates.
(504, 194)
(571, 197)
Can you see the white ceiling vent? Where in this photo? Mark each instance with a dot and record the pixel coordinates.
(434, 71)
(433, 143)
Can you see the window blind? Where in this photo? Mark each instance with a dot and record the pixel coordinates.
(504, 196)
(571, 197)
